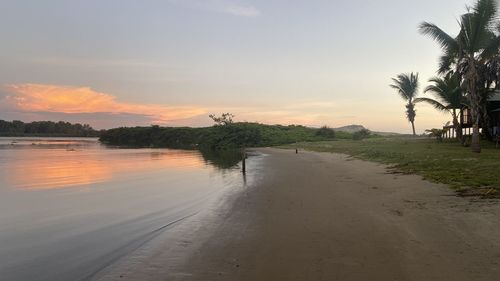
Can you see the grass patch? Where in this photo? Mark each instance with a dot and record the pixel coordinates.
(446, 162)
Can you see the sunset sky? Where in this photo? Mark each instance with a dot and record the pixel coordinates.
(173, 62)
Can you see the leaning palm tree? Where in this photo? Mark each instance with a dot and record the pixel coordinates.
(407, 86)
(476, 42)
(448, 98)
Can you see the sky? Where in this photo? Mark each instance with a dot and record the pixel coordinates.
(114, 63)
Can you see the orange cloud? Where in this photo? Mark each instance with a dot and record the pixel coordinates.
(67, 99)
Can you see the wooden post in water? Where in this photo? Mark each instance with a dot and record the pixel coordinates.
(243, 161)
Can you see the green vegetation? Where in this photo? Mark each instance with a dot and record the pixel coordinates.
(45, 129)
(449, 98)
(222, 159)
(219, 137)
(472, 57)
(445, 162)
(435, 133)
(224, 119)
(361, 134)
(326, 132)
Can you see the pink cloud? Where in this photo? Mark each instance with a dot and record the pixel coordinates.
(78, 100)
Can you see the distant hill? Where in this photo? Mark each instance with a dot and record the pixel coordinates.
(356, 128)
(350, 128)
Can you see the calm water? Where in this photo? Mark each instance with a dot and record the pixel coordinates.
(69, 207)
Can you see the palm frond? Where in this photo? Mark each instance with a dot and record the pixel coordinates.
(399, 89)
(477, 26)
(447, 91)
(465, 36)
(436, 104)
(445, 63)
(491, 49)
(406, 85)
(446, 41)
(485, 12)
(433, 89)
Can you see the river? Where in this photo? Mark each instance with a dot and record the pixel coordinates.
(71, 207)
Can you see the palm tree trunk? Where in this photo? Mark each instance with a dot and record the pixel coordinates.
(475, 144)
(413, 127)
(486, 119)
(456, 125)
(475, 104)
(474, 112)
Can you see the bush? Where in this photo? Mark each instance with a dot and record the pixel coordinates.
(435, 133)
(361, 134)
(325, 132)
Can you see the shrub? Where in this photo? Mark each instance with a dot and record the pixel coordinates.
(435, 133)
(361, 134)
(325, 132)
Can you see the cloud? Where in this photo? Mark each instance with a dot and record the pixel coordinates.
(235, 8)
(43, 98)
(33, 102)
(244, 11)
(314, 114)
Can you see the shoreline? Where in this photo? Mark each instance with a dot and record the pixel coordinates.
(323, 216)
(166, 253)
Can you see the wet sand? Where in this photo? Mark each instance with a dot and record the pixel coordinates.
(320, 216)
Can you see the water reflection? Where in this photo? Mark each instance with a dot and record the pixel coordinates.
(224, 159)
(56, 164)
(107, 200)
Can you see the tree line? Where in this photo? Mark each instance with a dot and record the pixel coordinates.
(46, 128)
(468, 73)
(223, 135)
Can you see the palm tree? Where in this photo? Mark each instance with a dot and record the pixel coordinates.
(477, 42)
(449, 98)
(490, 77)
(407, 86)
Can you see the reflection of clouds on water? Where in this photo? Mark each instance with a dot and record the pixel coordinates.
(86, 204)
(65, 164)
(45, 174)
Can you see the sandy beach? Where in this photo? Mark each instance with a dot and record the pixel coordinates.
(321, 216)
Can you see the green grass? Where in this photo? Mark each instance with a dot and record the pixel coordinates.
(447, 162)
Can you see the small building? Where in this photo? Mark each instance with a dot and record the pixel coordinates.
(466, 120)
